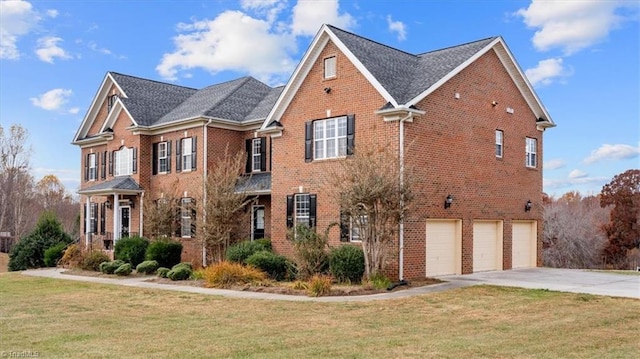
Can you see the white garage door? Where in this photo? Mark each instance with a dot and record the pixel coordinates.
(524, 236)
(487, 245)
(444, 243)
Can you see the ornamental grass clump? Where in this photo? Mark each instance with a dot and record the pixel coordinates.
(227, 274)
(319, 285)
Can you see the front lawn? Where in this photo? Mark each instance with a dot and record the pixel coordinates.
(82, 320)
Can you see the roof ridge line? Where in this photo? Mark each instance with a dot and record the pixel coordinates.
(373, 41)
(459, 45)
(150, 80)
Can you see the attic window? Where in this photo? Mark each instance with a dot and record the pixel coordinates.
(110, 101)
(330, 67)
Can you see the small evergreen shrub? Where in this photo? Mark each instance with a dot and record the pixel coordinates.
(187, 265)
(166, 252)
(319, 285)
(147, 267)
(346, 263)
(162, 272)
(197, 274)
(226, 274)
(131, 249)
(239, 252)
(380, 281)
(72, 257)
(179, 272)
(124, 270)
(273, 264)
(93, 260)
(53, 254)
(110, 267)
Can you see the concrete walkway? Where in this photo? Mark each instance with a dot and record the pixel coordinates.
(563, 280)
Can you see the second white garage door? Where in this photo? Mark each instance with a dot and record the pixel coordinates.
(443, 247)
(524, 244)
(487, 245)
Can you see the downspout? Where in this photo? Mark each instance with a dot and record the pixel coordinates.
(204, 186)
(401, 229)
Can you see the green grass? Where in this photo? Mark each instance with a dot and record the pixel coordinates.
(60, 318)
(622, 272)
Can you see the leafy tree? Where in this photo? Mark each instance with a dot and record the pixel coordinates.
(623, 230)
(29, 251)
(52, 196)
(370, 190)
(224, 205)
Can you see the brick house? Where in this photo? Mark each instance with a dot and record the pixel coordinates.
(464, 118)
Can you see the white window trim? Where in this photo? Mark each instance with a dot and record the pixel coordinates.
(499, 143)
(93, 167)
(256, 155)
(185, 217)
(123, 159)
(162, 145)
(531, 149)
(301, 209)
(186, 154)
(353, 227)
(324, 140)
(330, 67)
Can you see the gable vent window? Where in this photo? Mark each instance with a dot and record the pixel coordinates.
(111, 100)
(499, 143)
(330, 67)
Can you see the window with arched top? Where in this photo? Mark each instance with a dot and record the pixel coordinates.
(124, 161)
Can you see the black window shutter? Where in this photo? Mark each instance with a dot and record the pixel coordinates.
(84, 218)
(194, 153)
(289, 211)
(177, 219)
(193, 217)
(168, 156)
(308, 141)
(248, 146)
(178, 159)
(344, 226)
(86, 168)
(154, 159)
(104, 165)
(94, 221)
(111, 163)
(263, 154)
(351, 131)
(312, 210)
(103, 215)
(97, 166)
(270, 155)
(135, 160)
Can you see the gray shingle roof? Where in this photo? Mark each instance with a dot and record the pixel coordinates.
(118, 184)
(402, 74)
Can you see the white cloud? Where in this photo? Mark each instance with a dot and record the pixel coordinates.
(398, 27)
(547, 71)
(575, 174)
(613, 152)
(74, 110)
(52, 100)
(17, 19)
(268, 8)
(231, 41)
(52, 13)
(94, 47)
(309, 15)
(554, 164)
(570, 25)
(48, 49)
(594, 183)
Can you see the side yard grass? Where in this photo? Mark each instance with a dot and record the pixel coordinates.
(83, 320)
(4, 262)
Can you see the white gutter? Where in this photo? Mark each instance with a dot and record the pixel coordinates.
(204, 187)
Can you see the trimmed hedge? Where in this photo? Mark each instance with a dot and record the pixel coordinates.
(162, 272)
(124, 270)
(239, 252)
(180, 271)
(53, 254)
(346, 263)
(273, 264)
(110, 267)
(93, 260)
(166, 252)
(147, 267)
(131, 249)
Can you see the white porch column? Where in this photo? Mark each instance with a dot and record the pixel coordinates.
(87, 223)
(116, 218)
(141, 213)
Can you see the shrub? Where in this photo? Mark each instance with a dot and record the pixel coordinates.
(273, 264)
(319, 285)
(226, 274)
(93, 260)
(147, 267)
(131, 249)
(162, 272)
(197, 274)
(110, 267)
(29, 251)
(346, 263)
(239, 252)
(179, 272)
(165, 251)
(72, 257)
(310, 251)
(380, 281)
(53, 254)
(124, 270)
(183, 264)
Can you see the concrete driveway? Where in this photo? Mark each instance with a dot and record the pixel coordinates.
(563, 280)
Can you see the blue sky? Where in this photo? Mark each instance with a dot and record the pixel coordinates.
(583, 58)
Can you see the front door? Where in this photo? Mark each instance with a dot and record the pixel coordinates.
(257, 222)
(124, 221)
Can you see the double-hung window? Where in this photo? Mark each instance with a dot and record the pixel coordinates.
(301, 210)
(93, 167)
(499, 143)
(531, 152)
(163, 157)
(124, 161)
(330, 138)
(187, 217)
(93, 216)
(357, 228)
(186, 154)
(256, 154)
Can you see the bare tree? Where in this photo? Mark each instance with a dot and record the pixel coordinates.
(160, 214)
(53, 196)
(573, 235)
(372, 195)
(16, 184)
(223, 205)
